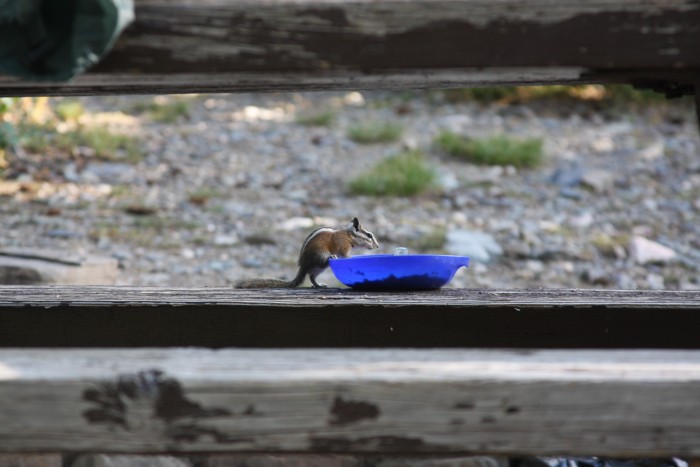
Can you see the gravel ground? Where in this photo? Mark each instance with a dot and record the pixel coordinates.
(232, 190)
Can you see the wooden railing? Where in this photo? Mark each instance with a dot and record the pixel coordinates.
(324, 390)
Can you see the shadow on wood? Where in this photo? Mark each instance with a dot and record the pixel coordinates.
(216, 318)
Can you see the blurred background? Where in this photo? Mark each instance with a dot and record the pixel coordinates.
(553, 186)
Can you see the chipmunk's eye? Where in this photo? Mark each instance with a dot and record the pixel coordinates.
(370, 235)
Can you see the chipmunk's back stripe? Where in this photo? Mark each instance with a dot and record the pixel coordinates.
(314, 233)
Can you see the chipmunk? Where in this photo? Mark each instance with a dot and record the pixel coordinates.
(320, 246)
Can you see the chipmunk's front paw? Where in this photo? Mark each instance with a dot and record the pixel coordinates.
(333, 257)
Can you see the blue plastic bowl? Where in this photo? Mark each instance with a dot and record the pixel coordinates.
(397, 272)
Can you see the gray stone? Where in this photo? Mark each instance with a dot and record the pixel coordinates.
(479, 246)
(598, 180)
(645, 251)
(567, 176)
(110, 172)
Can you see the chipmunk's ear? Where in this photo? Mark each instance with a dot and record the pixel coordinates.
(356, 223)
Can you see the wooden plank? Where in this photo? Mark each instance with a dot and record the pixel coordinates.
(73, 316)
(605, 403)
(234, 45)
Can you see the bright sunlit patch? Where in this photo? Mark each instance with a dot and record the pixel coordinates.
(66, 192)
(253, 113)
(354, 98)
(7, 372)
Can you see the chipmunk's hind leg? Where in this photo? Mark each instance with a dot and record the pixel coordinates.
(313, 274)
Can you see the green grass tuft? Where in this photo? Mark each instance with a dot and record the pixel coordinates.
(69, 110)
(324, 118)
(161, 112)
(405, 174)
(375, 132)
(107, 145)
(169, 112)
(497, 150)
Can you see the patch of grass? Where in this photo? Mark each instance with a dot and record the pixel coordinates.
(107, 145)
(617, 93)
(160, 111)
(69, 110)
(169, 112)
(375, 132)
(496, 150)
(35, 138)
(610, 246)
(324, 118)
(405, 174)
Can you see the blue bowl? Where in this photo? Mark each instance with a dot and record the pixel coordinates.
(397, 272)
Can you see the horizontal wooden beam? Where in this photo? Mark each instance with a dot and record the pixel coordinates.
(74, 316)
(233, 45)
(603, 403)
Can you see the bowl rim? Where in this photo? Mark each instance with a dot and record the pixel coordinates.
(412, 255)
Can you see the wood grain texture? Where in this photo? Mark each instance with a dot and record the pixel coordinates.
(230, 45)
(222, 317)
(613, 403)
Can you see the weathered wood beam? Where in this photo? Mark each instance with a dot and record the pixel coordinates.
(603, 403)
(74, 316)
(234, 45)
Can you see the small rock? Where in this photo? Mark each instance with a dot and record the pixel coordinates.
(61, 233)
(625, 282)
(478, 175)
(570, 193)
(581, 221)
(455, 123)
(296, 223)
(598, 180)
(596, 276)
(480, 247)
(447, 180)
(109, 172)
(603, 144)
(409, 143)
(252, 263)
(225, 240)
(188, 253)
(298, 195)
(644, 251)
(653, 151)
(656, 281)
(534, 265)
(567, 176)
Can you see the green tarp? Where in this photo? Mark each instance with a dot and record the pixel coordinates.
(54, 40)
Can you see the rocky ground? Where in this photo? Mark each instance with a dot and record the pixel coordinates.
(231, 190)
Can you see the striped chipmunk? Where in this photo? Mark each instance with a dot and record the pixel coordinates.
(320, 246)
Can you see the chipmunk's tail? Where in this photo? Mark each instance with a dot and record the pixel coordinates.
(271, 283)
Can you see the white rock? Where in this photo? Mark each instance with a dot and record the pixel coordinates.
(294, 223)
(598, 180)
(654, 151)
(479, 246)
(447, 180)
(456, 123)
(225, 240)
(581, 221)
(644, 251)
